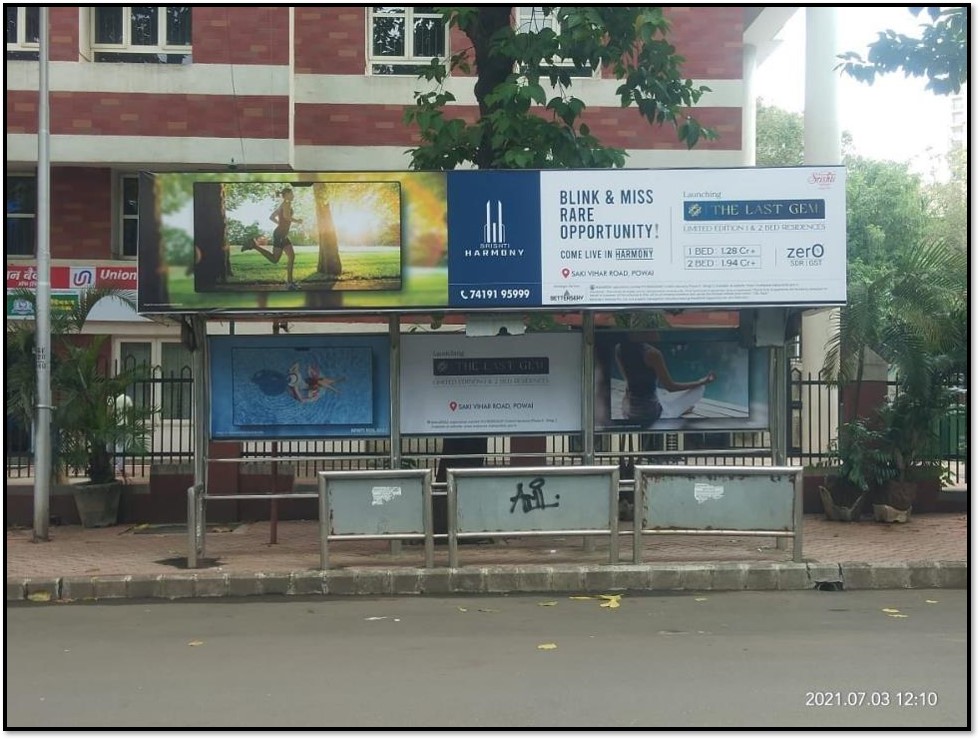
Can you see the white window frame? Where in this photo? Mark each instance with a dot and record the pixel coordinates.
(531, 18)
(156, 370)
(22, 45)
(127, 46)
(121, 217)
(31, 216)
(408, 58)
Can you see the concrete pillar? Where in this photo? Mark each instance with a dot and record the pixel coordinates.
(748, 105)
(821, 146)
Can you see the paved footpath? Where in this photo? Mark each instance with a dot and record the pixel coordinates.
(130, 561)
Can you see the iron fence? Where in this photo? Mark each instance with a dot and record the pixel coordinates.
(814, 408)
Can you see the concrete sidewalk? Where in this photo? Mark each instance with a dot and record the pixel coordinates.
(149, 561)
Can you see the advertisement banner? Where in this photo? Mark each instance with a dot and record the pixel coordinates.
(67, 282)
(299, 387)
(679, 381)
(454, 384)
(492, 239)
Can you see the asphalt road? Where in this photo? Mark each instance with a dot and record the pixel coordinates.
(716, 660)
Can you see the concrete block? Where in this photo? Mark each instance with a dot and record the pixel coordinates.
(924, 574)
(954, 574)
(436, 581)
(568, 579)
(307, 583)
(77, 588)
(142, 587)
(599, 578)
(407, 580)
(694, 577)
(664, 578)
(49, 586)
(793, 577)
(857, 575)
(239, 585)
(728, 576)
(500, 579)
(371, 582)
(340, 583)
(762, 577)
(110, 587)
(211, 585)
(630, 577)
(176, 587)
(534, 578)
(16, 589)
(890, 575)
(470, 580)
(273, 584)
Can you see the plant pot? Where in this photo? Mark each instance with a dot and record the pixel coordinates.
(840, 512)
(97, 503)
(899, 494)
(890, 515)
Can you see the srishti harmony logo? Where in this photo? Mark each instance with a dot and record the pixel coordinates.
(494, 231)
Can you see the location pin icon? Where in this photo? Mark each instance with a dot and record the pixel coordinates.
(452, 405)
(565, 272)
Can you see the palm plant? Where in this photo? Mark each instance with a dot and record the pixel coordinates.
(912, 312)
(89, 427)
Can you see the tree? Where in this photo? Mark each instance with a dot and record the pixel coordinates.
(519, 126)
(779, 137)
(947, 202)
(939, 54)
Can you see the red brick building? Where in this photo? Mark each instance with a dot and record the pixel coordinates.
(267, 88)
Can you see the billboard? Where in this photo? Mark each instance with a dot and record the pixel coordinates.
(67, 283)
(454, 384)
(679, 381)
(492, 239)
(300, 387)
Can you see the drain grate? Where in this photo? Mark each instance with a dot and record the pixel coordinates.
(181, 562)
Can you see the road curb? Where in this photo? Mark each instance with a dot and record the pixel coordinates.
(849, 576)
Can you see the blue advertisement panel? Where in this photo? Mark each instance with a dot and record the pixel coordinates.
(679, 381)
(298, 387)
(494, 239)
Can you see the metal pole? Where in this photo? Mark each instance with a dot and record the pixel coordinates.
(588, 404)
(42, 431)
(394, 433)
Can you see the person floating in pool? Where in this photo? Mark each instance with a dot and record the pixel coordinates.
(306, 388)
(283, 218)
(645, 371)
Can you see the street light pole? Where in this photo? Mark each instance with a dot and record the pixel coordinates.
(42, 432)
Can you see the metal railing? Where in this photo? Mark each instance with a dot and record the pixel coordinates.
(811, 416)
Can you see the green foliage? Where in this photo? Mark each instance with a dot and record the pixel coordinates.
(939, 54)
(947, 203)
(862, 463)
(886, 210)
(779, 137)
(528, 116)
(90, 428)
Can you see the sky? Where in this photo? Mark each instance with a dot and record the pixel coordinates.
(896, 118)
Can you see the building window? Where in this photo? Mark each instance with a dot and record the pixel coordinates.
(129, 216)
(165, 376)
(142, 33)
(23, 31)
(405, 39)
(21, 196)
(531, 19)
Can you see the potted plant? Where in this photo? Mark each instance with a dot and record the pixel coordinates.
(94, 421)
(911, 443)
(862, 466)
